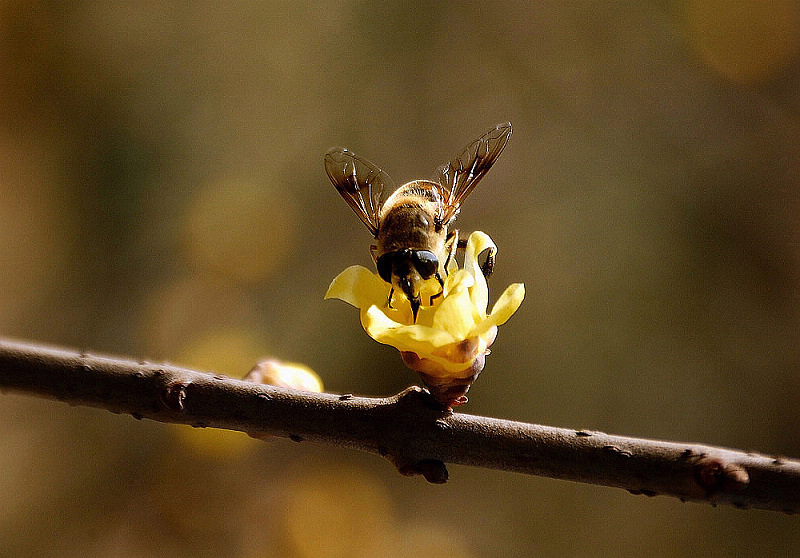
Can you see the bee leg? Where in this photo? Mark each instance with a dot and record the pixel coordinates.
(459, 246)
(451, 244)
(441, 284)
(488, 265)
(373, 251)
(447, 262)
(389, 302)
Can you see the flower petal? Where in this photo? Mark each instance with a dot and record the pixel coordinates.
(454, 314)
(358, 286)
(508, 303)
(478, 242)
(503, 309)
(417, 338)
(455, 360)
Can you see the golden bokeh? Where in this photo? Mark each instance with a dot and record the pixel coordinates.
(430, 539)
(348, 512)
(240, 229)
(746, 41)
(339, 513)
(228, 352)
(213, 443)
(177, 312)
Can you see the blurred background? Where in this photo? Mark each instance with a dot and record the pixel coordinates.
(162, 196)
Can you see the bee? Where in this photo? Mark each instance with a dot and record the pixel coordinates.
(410, 226)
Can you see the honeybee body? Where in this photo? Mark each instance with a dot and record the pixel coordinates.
(408, 220)
(412, 244)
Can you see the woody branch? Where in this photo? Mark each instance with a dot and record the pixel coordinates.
(409, 429)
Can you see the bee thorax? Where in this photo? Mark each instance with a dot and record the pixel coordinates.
(407, 226)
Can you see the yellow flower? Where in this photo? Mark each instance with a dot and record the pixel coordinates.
(450, 339)
(274, 372)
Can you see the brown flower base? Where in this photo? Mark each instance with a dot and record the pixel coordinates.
(449, 390)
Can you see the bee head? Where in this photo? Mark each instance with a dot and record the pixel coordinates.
(404, 269)
(407, 262)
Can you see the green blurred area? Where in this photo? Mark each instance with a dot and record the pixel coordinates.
(162, 196)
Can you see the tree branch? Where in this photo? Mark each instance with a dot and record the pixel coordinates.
(409, 429)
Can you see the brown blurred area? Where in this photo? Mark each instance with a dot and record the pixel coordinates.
(162, 196)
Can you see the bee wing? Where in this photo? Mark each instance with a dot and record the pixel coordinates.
(460, 176)
(361, 183)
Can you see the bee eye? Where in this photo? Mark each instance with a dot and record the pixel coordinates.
(384, 264)
(426, 263)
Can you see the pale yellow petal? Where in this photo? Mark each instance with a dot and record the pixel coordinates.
(417, 338)
(479, 293)
(450, 361)
(478, 242)
(455, 313)
(358, 286)
(457, 279)
(460, 355)
(426, 314)
(376, 323)
(508, 303)
(504, 308)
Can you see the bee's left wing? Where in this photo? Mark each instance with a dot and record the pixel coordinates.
(460, 176)
(362, 184)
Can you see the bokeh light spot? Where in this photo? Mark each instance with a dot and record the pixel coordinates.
(432, 539)
(344, 513)
(232, 352)
(213, 443)
(187, 308)
(744, 41)
(240, 229)
(229, 352)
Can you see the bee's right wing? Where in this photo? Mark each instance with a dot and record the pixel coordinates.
(361, 183)
(460, 176)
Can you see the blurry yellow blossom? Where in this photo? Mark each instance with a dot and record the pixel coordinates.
(450, 339)
(339, 512)
(274, 372)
